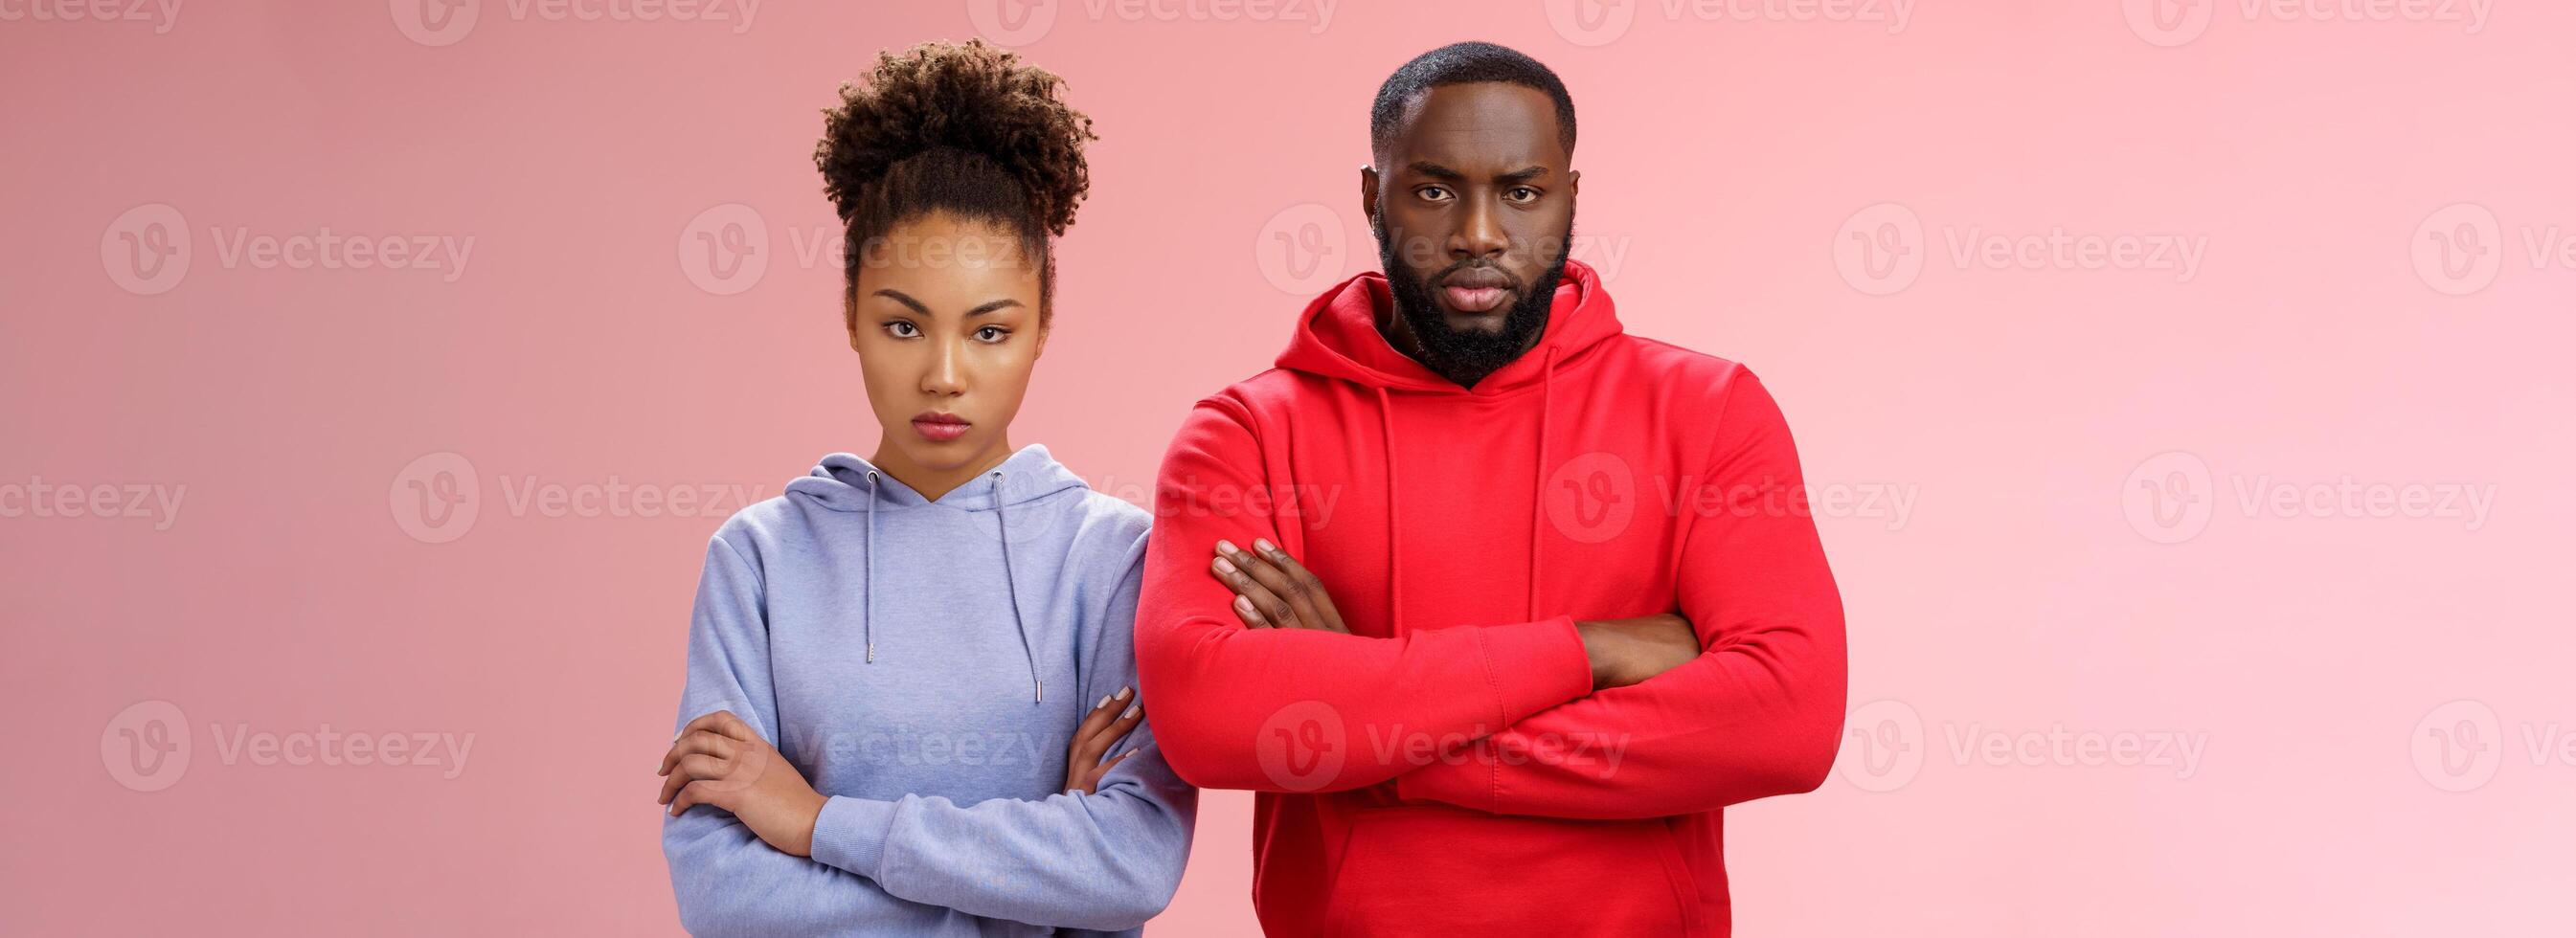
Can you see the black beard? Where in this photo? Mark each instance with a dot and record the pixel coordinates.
(1467, 357)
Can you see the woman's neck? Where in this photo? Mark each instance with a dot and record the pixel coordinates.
(935, 483)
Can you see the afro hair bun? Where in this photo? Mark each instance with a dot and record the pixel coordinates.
(974, 99)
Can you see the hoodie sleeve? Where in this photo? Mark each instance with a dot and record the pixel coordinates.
(727, 880)
(1108, 860)
(1757, 714)
(1234, 703)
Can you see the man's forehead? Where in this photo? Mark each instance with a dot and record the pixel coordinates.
(1479, 124)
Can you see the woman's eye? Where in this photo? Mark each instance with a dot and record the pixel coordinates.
(902, 329)
(991, 334)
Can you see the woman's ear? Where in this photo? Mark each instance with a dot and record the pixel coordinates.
(850, 316)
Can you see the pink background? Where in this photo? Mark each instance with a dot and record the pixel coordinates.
(2377, 697)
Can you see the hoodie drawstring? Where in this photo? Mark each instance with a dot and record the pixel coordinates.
(1011, 583)
(1538, 499)
(1394, 520)
(868, 575)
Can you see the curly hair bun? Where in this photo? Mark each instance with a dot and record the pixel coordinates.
(930, 128)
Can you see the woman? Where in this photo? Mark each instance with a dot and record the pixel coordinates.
(886, 663)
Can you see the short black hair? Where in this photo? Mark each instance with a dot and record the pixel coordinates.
(1464, 63)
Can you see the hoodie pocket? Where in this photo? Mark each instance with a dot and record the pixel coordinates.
(1435, 870)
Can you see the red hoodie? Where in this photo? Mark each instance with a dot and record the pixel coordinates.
(1446, 768)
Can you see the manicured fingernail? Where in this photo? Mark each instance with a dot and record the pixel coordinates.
(1225, 566)
(1263, 545)
(1104, 701)
(1131, 711)
(1244, 606)
(1123, 692)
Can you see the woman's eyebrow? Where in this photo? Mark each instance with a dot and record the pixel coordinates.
(899, 297)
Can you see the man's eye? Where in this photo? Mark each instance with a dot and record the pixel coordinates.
(1522, 194)
(1434, 194)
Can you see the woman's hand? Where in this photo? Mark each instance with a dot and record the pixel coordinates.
(720, 760)
(1101, 729)
(1273, 590)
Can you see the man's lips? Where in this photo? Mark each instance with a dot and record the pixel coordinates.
(1476, 289)
(940, 428)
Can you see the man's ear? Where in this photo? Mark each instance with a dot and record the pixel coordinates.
(1574, 182)
(1368, 195)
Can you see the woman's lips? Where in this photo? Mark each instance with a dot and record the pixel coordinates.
(940, 428)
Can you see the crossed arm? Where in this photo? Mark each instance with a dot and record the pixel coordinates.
(1752, 708)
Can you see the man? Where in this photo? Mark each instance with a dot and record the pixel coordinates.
(1504, 605)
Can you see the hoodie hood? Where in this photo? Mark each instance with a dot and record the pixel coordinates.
(845, 482)
(1337, 337)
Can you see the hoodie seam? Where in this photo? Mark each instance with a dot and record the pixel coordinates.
(1485, 663)
(759, 578)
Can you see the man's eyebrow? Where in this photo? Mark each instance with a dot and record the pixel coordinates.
(1437, 171)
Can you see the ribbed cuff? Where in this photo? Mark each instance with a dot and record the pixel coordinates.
(1535, 665)
(850, 834)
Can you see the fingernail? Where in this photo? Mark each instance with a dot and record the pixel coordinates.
(1104, 701)
(1263, 545)
(1245, 606)
(1225, 566)
(1131, 711)
(1226, 547)
(1124, 691)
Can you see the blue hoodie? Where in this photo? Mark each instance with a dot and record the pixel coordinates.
(924, 664)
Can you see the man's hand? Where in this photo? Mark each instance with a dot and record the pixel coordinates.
(1101, 729)
(1626, 651)
(1272, 590)
(720, 760)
